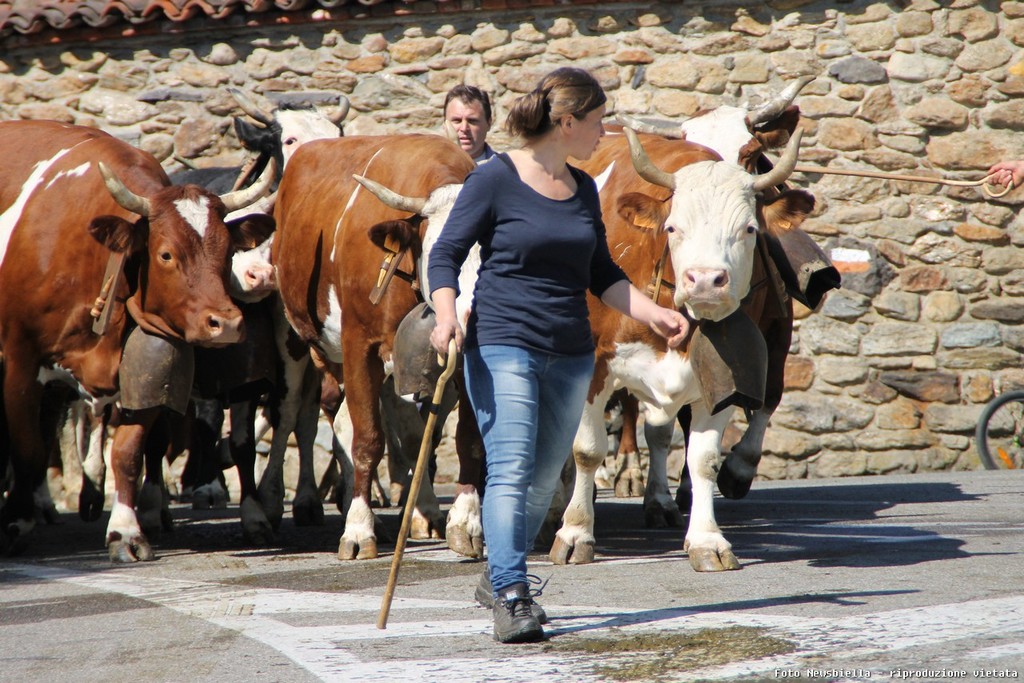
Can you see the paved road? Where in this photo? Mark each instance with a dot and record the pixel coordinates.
(905, 577)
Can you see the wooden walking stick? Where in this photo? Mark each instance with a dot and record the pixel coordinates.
(417, 479)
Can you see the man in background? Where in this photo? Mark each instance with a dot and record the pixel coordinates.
(467, 109)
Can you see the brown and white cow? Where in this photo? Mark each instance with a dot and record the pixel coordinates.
(742, 135)
(70, 197)
(327, 266)
(707, 213)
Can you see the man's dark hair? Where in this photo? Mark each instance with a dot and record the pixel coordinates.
(469, 94)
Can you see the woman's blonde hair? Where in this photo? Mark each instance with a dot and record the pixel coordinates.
(563, 92)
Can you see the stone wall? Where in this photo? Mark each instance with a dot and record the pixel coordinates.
(892, 372)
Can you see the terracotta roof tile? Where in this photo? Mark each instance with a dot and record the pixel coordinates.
(32, 16)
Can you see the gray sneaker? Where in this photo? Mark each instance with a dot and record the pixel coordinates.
(513, 619)
(484, 594)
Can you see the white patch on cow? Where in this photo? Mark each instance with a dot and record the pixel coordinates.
(436, 210)
(723, 130)
(10, 217)
(466, 512)
(348, 205)
(299, 126)
(330, 336)
(195, 212)
(123, 522)
(359, 522)
(712, 209)
(59, 374)
(76, 172)
(603, 176)
(663, 382)
(252, 276)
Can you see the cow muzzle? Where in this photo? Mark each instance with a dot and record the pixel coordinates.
(220, 329)
(707, 292)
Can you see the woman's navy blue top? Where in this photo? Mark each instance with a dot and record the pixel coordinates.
(539, 256)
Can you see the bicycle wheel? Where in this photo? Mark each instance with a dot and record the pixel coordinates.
(1000, 432)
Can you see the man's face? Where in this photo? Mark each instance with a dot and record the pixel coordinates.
(470, 124)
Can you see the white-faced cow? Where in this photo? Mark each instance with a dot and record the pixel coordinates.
(71, 198)
(703, 217)
(327, 267)
(740, 134)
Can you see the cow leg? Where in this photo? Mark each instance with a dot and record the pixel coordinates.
(203, 471)
(465, 529)
(53, 410)
(293, 396)
(574, 542)
(125, 539)
(740, 467)
(308, 506)
(364, 377)
(22, 402)
(706, 546)
(628, 479)
(257, 529)
(660, 509)
(404, 428)
(684, 496)
(94, 466)
(153, 512)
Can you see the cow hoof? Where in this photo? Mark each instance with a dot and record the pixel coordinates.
(707, 560)
(459, 541)
(732, 485)
(308, 512)
(123, 552)
(349, 549)
(210, 496)
(563, 552)
(629, 483)
(426, 529)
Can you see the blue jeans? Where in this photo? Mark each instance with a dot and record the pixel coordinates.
(528, 405)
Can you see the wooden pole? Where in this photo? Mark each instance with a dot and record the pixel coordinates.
(417, 480)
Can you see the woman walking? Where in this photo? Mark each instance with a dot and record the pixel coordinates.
(529, 354)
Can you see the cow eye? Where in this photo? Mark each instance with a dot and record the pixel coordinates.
(165, 256)
(291, 141)
(751, 229)
(669, 229)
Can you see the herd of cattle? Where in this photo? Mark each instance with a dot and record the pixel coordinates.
(128, 300)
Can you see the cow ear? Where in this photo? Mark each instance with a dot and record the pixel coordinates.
(641, 211)
(787, 211)
(393, 235)
(250, 231)
(119, 235)
(249, 135)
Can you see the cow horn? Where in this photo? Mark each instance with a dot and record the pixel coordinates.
(392, 198)
(247, 105)
(122, 195)
(337, 114)
(770, 110)
(784, 169)
(666, 129)
(239, 199)
(643, 164)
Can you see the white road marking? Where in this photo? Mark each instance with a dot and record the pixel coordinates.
(322, 649)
